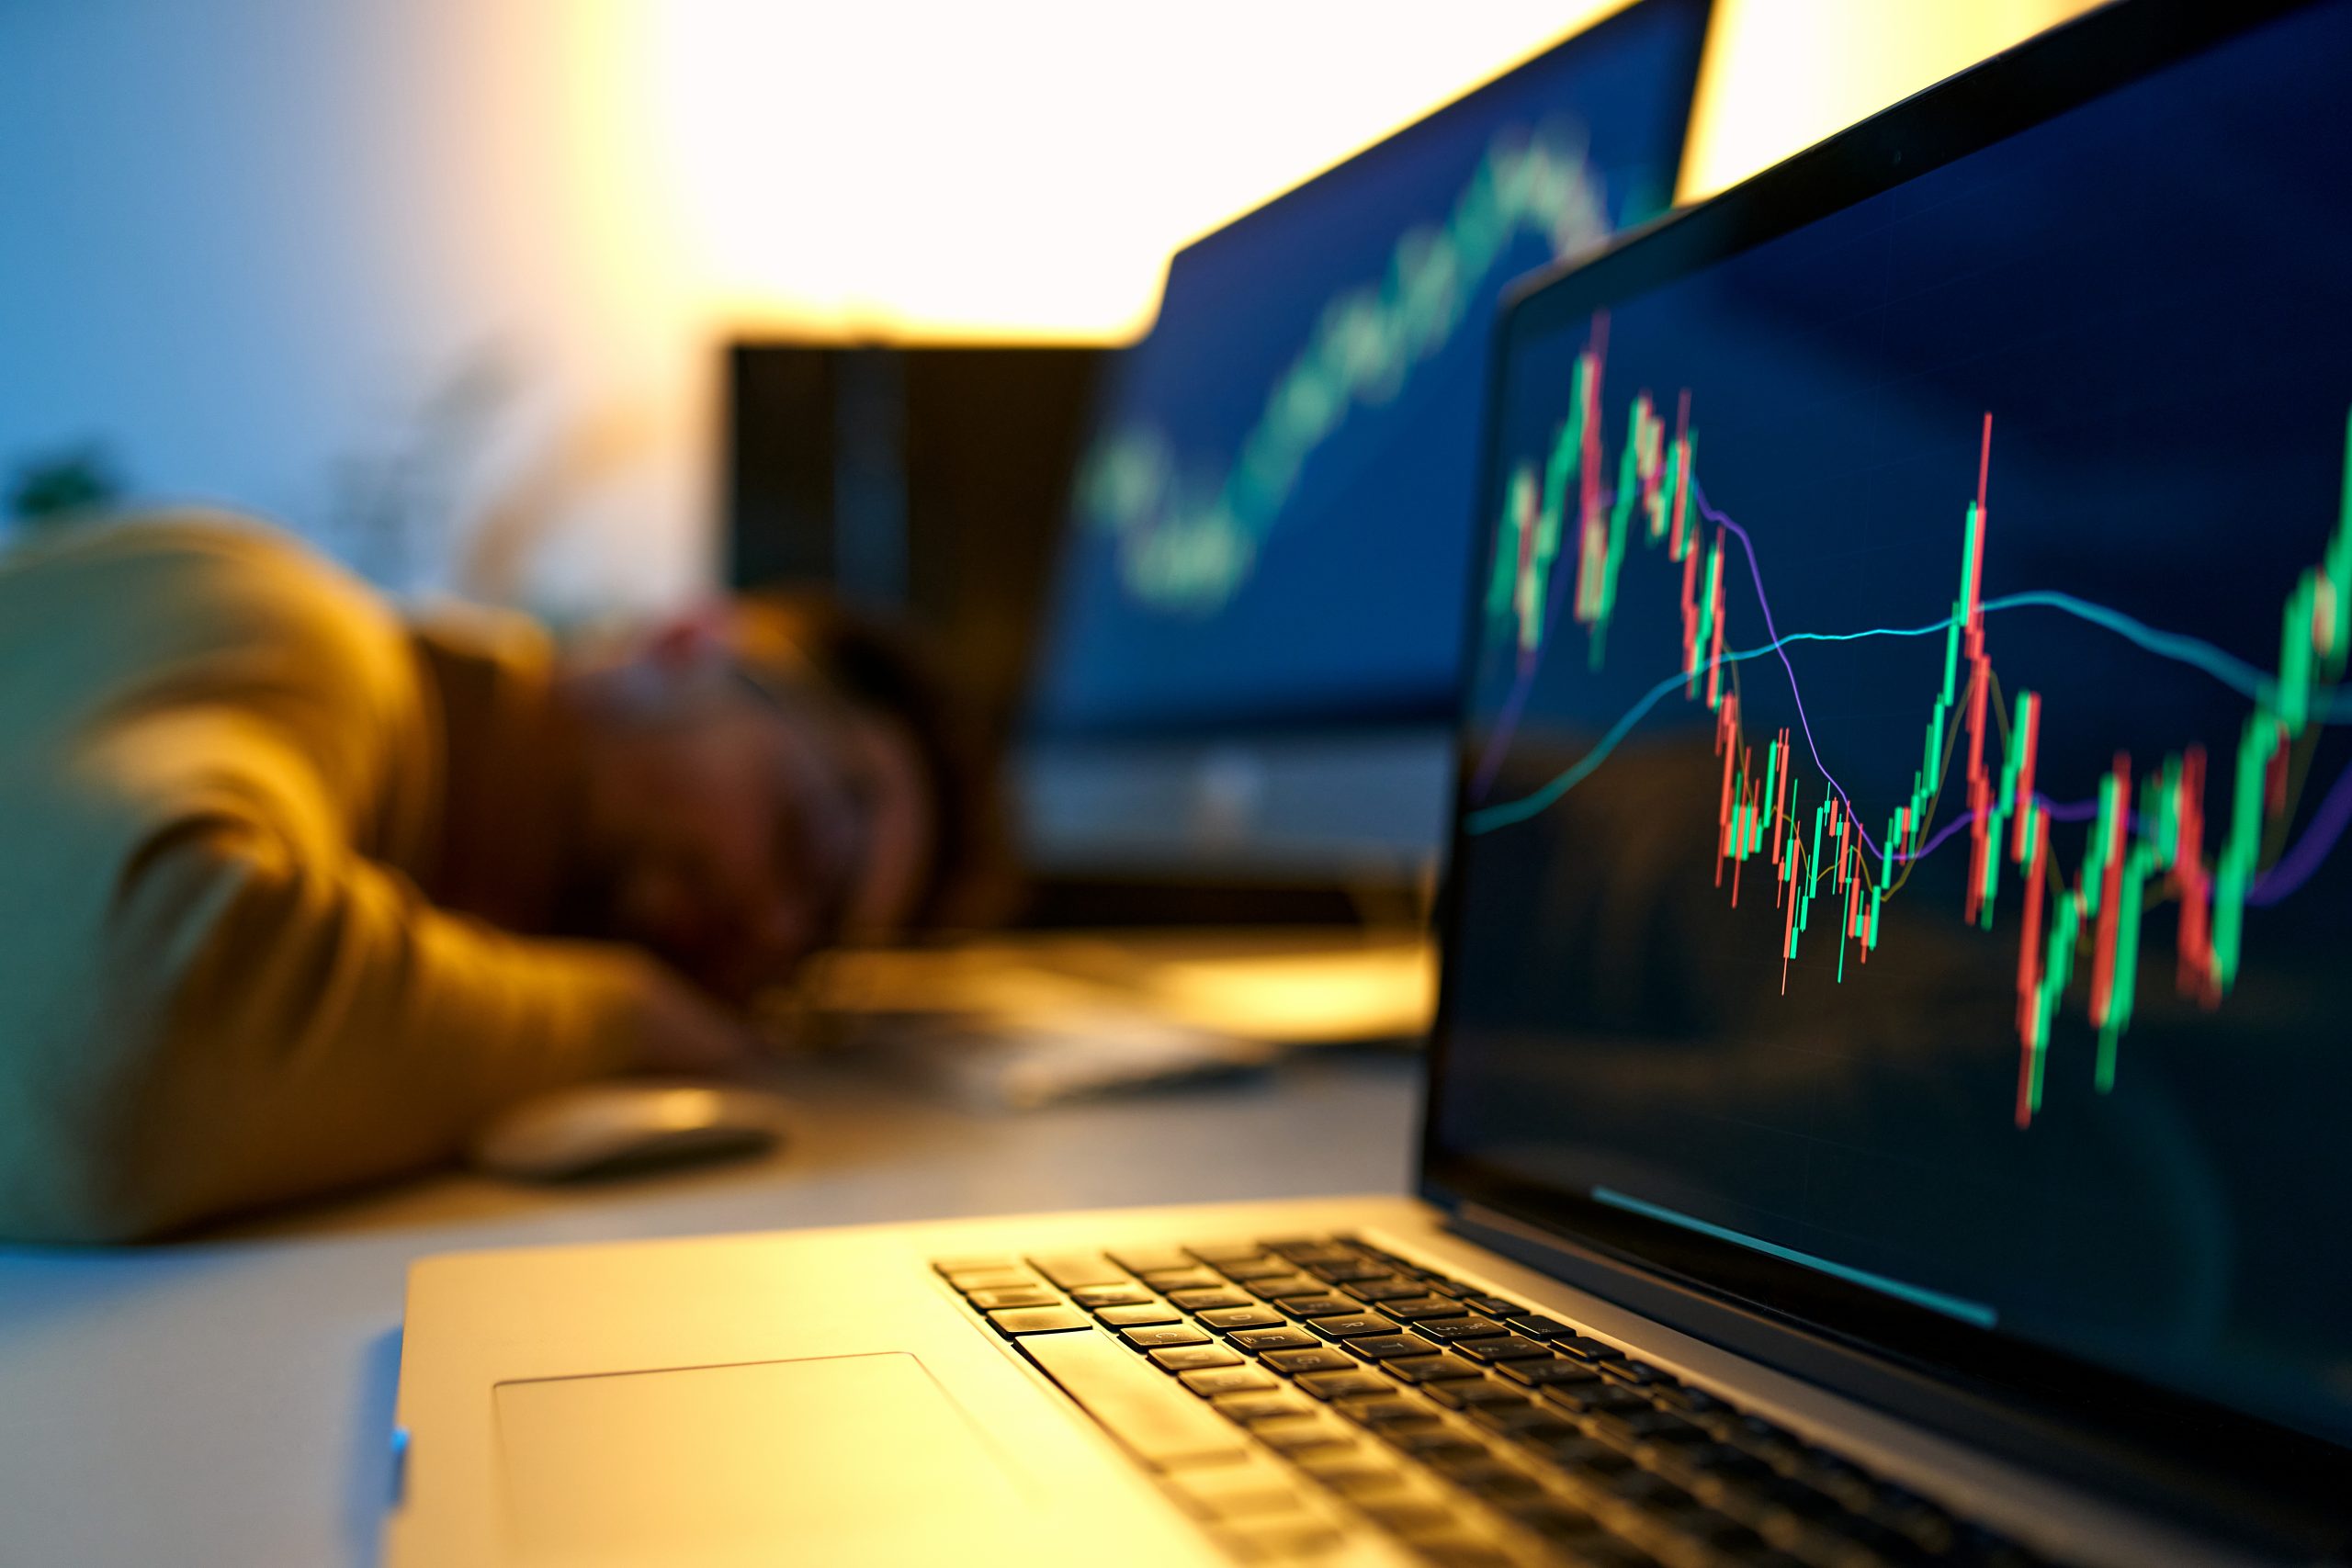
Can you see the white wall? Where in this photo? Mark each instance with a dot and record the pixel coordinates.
(250, 242)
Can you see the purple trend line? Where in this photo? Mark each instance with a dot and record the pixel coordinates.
(1756, 576)
(2295, 867)
(2056, 810)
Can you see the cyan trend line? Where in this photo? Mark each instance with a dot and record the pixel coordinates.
(1188, 546)
(2229, 670)
(1918, 1296)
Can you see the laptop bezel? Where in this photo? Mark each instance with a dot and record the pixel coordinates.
(2047, 1407)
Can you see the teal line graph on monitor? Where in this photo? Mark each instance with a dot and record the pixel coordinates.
(2148, 836)
(1188, 528)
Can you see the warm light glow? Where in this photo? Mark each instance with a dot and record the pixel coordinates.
(1781, 75)
(1022, 169)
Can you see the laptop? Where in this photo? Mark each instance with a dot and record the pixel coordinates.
(1887, 1103)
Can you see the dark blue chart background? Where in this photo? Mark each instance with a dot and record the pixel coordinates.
(1353, 611)
(2151, 297)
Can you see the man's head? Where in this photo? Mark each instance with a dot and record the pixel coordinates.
(765, 778)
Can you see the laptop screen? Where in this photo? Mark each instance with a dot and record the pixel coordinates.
(1270, 529)
(1901, 862)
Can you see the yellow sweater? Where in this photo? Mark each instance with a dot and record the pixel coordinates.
(226, 817)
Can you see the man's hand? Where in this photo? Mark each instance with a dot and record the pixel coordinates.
(682, 1030)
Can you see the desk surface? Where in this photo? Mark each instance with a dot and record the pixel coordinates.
(227, 1401)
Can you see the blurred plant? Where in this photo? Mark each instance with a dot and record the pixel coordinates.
(63, 487)
(393, 510)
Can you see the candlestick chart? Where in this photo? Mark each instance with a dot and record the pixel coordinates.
(2212, 836)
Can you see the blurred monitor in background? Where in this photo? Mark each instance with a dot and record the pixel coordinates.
(1255, 634)
(922, 481)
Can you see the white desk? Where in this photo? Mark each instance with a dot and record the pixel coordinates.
(227, 1401)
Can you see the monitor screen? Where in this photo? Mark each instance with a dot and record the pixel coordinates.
(1909, 761)
(1272, 524)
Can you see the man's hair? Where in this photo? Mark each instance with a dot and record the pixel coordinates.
(788, 635)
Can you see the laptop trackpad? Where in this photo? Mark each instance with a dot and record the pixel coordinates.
(846, 1459)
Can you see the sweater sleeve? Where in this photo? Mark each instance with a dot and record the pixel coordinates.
(309, 1025)
(219, 987)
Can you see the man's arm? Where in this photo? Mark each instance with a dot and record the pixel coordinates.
(290, 1024)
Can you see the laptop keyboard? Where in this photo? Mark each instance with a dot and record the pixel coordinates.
(1277, 1387)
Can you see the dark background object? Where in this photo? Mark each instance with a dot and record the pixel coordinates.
(930, 482)
(58, 487)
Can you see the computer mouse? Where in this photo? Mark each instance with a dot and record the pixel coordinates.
(626, 1126)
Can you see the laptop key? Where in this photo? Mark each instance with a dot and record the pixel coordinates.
(1144, 1260)
(1247, 1269)
(1350, 1473)
(1409, 1308)
(1448, 1329)
(1092, 1296)
(1018, 1296)
(1588, 1457)
(1389, 1289)
(1284, 1339)
(1510, 1349)
(1585, 1348)
(1488, 1477)
(1297, 1433)
(1554, 1519)
(1321, 1306)
(1143, 1316)
(993, 1279)
(1225, 1319)
(1194, 1358)
(1353, 1325)
(1526, 1422)
(1538, 1327)
(1464, 1394)
(1210, 1300)
(1322, 1358)
(1251, 1409)
(1497, 1307)
(1139, 1317)
(1345, 1386)
(1537, 1373)
(1442, 1443)
(1218, 1252)
(1410, 1516)
(1077, 1272)
(1430, 1368)
(1192, 1278)
(1158, 1339)
(1227, 1380)
(1037, 1320)
(1283, 1287)
(1390, 1346)
(1595, 1398)
(1388, 1411)
(1159, 1423)
(1317, 1251)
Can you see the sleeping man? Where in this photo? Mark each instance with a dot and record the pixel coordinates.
(293, 892)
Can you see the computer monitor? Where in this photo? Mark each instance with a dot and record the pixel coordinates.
(1901, 869)
(1255, 634)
